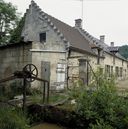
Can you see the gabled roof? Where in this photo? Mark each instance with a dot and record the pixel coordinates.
(69, 34)
(102, 45)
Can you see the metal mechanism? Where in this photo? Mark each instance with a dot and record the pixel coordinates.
(29, 74)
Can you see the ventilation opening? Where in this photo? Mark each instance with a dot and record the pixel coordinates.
(43, 37)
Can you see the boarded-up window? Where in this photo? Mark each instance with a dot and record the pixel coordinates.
(61, 75)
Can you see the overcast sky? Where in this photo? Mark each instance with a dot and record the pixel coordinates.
(100, 17)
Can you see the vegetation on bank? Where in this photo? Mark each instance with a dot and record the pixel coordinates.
(97, 106)
(11, 118)
(123, 50)
(103, 106)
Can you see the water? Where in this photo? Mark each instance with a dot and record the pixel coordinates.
(47, 126)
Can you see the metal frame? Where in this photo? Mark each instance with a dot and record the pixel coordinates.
(29, 74)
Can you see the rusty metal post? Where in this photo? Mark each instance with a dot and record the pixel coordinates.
(44, 93)
(87, 74)
(48, 88)
(24, 95)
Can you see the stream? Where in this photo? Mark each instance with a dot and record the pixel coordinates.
(47, 126)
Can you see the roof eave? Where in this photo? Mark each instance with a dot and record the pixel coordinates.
(14, 44)
(81, 50)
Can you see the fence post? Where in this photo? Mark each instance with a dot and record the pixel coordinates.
(24, 94)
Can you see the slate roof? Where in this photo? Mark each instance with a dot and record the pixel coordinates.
(102, 45)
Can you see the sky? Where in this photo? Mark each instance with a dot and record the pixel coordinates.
(100, 17)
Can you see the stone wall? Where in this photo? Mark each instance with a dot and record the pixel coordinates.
(53, 58)
(76, 71)
(116, 63)
(52, 50)
(14, 57)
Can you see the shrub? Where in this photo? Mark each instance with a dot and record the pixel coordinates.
(102, 103)
(101, 125)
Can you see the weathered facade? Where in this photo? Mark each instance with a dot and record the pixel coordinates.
(13, 57)
(59, 51)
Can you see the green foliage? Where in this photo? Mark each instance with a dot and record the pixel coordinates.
(8, 20)
(16, 33)
(76, 90)
(123, 50)
(102, 105)
(8, 92)
(101, 125)
(15, 89)
(11, 119)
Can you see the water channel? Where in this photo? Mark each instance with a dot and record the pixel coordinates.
(48, 126)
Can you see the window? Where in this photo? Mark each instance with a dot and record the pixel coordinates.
(111, 70)
(98, 58)
(43, 37)
(121, 71)
(107, 70)
(83, 71)
(117, 71)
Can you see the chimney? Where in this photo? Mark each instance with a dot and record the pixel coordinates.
(112, 44)
(102, 38)
(78, 23)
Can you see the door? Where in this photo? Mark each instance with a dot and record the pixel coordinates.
(45, 70)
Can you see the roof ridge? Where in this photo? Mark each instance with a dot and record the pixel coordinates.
(89, 36)
(94, 40)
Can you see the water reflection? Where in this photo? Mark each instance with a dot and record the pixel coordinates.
(47, 126)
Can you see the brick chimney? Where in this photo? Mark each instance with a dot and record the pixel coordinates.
(112, 44)
(102, 38)
(78, 23)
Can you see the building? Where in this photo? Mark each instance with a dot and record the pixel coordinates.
(60, 52)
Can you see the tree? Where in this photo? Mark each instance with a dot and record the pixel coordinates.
(16, 34)
(8, 21)
(123, 50)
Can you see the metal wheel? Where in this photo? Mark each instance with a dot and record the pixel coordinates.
(31, 72)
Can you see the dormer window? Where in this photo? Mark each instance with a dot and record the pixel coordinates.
(43, 37)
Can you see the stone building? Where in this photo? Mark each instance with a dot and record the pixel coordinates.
(59, 51)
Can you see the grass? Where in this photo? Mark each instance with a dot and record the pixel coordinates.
(53, 98)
